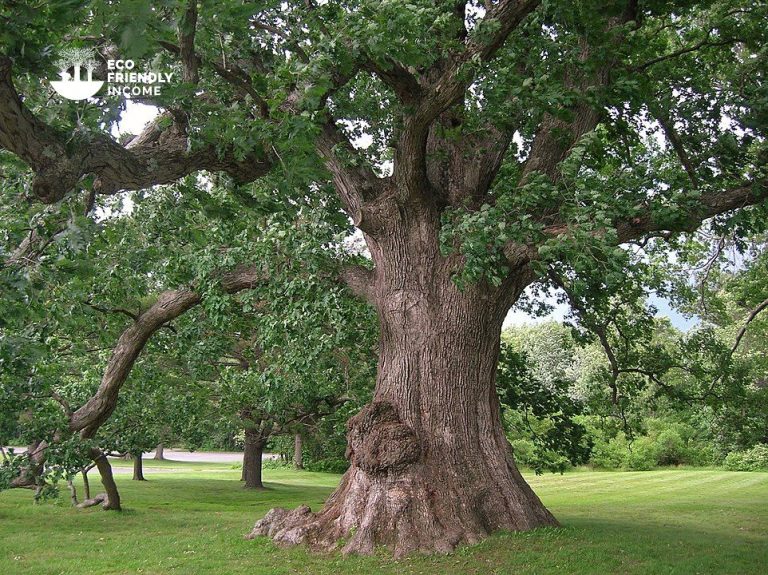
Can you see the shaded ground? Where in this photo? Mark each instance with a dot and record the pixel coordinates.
(671, 522)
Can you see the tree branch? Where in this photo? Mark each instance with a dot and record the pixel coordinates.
(187, 29)
(705, 43)
(404, 84)
(446, 91)
(752, 315)
(356, 184)
(709, 204)
(676, 142)
(159, 156)
(359, 280)
(169, 305)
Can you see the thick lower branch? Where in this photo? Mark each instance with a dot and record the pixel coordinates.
(169, 305)
(159, 156)
(359, 280)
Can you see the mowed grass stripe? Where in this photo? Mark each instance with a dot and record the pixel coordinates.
(671, 521)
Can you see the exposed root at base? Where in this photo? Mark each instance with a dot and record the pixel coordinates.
(100, 499)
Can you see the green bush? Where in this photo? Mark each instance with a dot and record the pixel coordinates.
(755, 459)
(328, 465)
(664, 443)
(670, 448)
(609, 453)
(528, 454)
(644, 455)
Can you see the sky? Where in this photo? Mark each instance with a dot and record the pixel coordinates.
(517, 317)
(137, 115)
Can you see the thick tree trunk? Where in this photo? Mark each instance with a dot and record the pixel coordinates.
(431, 467)
(298, 455)
(252, 455)
(138, 467)
(111, 499)
(160, 452)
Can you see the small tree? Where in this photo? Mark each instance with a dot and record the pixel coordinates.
(90, 65)
(76, 58)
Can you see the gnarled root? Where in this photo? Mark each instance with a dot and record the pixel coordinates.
(100, 499)
(392, 496)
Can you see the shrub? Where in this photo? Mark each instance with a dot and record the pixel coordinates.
(530, 455)
(327, 465)
(670, 448)
(755, 459)
(609, 454)
(643, 456)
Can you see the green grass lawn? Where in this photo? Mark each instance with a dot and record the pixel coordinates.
(193, 521)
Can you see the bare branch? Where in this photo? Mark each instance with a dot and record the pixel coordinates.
(676, 142)
(752, 315)
(121, 310)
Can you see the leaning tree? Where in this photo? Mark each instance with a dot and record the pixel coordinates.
(479, 147)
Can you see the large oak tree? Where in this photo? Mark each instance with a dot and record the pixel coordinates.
(507, 142)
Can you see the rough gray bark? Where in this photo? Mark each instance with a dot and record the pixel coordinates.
(86, 484)
(160, 452)
(252, 458)
(431, 467)
(110, 500)
(298, 455)
(138, 467)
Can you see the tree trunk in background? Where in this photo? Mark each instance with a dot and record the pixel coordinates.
(252, 456)
(160, 452)
(138, 467)
(298, 456)
(112, 501)
(86, 485)
(431, 467)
